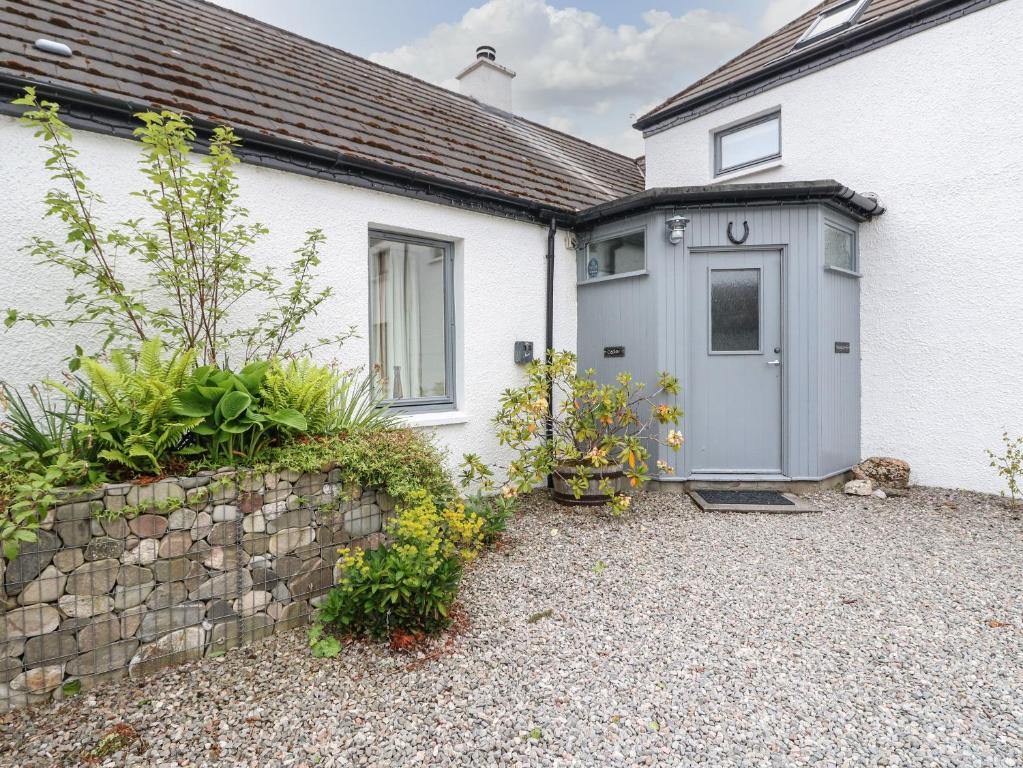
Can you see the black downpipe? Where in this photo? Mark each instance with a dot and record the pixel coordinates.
(548, 346)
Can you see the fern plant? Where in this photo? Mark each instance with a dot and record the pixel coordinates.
(132, 418)
(331, 401)
(303, 386)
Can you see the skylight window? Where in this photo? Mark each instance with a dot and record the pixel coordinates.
(833, 20)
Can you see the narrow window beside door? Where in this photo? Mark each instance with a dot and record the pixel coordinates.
(734, 310)
(411, 318)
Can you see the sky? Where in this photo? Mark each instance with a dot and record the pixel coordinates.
(588, 67)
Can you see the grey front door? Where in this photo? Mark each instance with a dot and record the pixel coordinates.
(733, 412)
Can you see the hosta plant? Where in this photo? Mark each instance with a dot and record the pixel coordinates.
(230, 420)
(594, 426)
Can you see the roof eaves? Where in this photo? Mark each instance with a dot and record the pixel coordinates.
(827, 191)
(115, 116)
(803, 58)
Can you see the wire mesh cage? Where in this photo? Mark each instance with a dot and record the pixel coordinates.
(127, 579)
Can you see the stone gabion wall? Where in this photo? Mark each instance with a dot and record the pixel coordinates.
(129, 578)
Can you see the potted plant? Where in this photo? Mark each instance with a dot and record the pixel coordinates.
(600, 434)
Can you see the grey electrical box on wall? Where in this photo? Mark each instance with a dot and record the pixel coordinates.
(523, 352)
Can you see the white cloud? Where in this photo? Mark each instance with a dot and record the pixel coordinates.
(780, 12)
(574, 69)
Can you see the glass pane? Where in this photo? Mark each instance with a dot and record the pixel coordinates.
(407, 318)
(616, 256)
(838, 248)
(735, 310)
(755, 142)
(828, 21)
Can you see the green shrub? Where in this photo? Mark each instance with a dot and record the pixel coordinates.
(188, 259)
(398, 461)
(130, 415)
(1009, 464)
(593, 425)
(331, 401)
(27, 493)
(46, 425)
(409, 584)
(494, 511)
(232, 420)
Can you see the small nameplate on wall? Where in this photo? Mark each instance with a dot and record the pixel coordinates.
(614, 351)
(842, 347)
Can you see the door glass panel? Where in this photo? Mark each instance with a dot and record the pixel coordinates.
(735, 310)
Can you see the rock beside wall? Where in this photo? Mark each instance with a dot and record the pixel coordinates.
(128, 578)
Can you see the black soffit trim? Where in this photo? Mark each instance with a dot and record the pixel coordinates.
(825, 191)
(116, 117)
(812, 57)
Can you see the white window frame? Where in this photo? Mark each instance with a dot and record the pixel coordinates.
(855, 271)
(857, 7)
(445, 402)
(583, 277)
(719, 169)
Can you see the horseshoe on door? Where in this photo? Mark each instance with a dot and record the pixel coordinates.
(738, 240)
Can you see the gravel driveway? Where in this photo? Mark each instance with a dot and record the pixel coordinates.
(882, 632)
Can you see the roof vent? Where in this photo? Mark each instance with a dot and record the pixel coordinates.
(487, 52)
(51, 46)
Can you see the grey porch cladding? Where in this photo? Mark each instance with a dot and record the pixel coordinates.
(750, 329)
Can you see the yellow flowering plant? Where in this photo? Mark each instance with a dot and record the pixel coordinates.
(593, 426)
(408, 584)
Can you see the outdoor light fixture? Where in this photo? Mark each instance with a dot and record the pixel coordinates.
(676, 228)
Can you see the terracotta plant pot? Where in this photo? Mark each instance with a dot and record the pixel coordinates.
(593, 496)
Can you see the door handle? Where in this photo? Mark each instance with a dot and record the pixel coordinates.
(774, 362)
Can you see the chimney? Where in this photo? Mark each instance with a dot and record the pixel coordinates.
(487, 81)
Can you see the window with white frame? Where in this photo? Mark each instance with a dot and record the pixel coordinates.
(615, 256)
(833, 20)
(747, 144)
(411, 306)
(839, 248)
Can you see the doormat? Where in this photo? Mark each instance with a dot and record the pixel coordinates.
(722, 500)
(745, 497)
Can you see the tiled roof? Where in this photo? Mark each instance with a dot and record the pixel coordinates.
(214, 64)
(777, 50)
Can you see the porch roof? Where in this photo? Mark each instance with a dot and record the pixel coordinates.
(827, 191)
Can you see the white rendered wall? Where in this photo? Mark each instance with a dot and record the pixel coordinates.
(932, 124)
(500, 269)
(489, 84)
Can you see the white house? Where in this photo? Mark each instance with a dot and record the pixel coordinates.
(826, 332)
(915, 101)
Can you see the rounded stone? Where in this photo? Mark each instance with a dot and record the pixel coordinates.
(47, 587)
(146, 552)
(30, 621)
(175, 544)
(104, 547)
(133, 575)
(95, 578)
(148, 526)
(39, 680)
(224, 513)
(84, 606)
